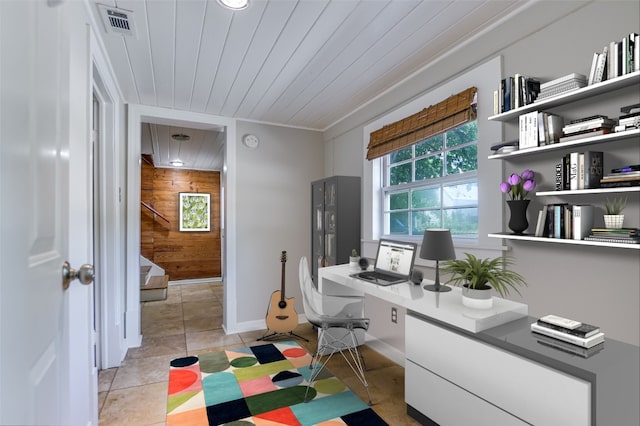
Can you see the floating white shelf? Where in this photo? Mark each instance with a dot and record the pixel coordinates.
(509, 236)
(589, 191)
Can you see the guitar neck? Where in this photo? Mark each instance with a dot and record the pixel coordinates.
(283, 259)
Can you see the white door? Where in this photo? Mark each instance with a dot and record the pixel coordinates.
(46, 374)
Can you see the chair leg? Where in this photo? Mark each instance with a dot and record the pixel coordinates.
(347, 347)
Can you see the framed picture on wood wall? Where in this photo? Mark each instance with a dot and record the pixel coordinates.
(195, 211)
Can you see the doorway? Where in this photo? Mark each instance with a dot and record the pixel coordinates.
(137, 115)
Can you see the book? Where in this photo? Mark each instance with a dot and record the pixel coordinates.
(569, 77)
(582, 126)
(592, 70)
(601, 66)
(587, 342)
(540, 224)
(587, 134)
(582, 221)
(621, 184)
(576, 328)
(593, 169)
(574, 163)
(630, 168)
(614, 240)
(568, 347)
(618, 178)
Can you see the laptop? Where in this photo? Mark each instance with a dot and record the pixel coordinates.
(394, 263)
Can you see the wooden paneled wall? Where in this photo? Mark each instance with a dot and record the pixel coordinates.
(183, 255)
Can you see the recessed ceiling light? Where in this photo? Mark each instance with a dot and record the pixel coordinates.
(234, 4)
(176, 163)
(180, 137)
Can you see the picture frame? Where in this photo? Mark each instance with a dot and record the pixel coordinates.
(195, 211)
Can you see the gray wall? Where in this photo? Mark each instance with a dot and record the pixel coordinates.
(595, 285)
(273, 213)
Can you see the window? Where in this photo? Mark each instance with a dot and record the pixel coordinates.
(433, 184)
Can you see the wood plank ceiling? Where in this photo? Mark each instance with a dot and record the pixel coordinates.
(302, 63)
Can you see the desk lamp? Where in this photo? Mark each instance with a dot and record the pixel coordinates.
(437, 245)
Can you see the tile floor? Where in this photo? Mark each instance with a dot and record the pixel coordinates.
(189, 322)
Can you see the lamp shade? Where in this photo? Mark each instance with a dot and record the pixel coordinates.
(437, 245)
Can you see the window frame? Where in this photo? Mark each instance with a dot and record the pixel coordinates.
(431, 183)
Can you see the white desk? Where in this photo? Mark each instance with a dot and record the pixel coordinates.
(442, 336)
(446, 307)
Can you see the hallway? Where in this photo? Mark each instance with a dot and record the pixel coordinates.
(189, 322)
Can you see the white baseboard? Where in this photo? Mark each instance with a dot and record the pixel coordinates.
(385, 349)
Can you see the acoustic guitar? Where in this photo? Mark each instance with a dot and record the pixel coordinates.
(282, 316)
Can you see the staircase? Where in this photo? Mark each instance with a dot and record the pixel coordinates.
(153, 281)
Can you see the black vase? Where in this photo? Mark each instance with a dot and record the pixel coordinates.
(518, 221)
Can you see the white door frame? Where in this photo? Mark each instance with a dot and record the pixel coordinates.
(138, 114)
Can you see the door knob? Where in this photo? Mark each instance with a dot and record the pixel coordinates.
(85, 274)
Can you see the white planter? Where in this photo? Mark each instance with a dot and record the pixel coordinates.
(477, 299)
(613, 221)
(354, 262)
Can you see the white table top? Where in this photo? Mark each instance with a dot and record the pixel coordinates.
(446, 307)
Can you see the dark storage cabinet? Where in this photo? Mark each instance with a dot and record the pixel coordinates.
(335, 221)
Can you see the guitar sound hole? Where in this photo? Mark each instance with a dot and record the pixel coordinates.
(282, 304)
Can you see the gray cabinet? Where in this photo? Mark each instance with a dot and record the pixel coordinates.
(335, 221)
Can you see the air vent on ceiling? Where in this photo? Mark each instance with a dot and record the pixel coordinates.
(118, 21)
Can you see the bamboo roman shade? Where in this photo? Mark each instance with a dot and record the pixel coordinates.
(452, 112)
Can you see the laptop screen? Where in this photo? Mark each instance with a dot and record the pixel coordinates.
(395, 257)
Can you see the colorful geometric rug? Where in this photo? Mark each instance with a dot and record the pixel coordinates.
(260, 385)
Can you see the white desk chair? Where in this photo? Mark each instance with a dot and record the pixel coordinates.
(325, 312)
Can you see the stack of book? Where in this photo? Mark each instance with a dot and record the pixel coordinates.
(568, 331)
(617, 58)
(622, 235)
(630, 118)
(622, 176)
(515, 92)
(579, 170)
(586, 127)
(561, 85)
(565, 221)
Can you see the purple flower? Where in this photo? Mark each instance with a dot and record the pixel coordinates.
(528, 174)
(519, 185)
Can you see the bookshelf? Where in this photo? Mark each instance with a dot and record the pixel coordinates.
(508, 236)
(572, 96)
(611, 139)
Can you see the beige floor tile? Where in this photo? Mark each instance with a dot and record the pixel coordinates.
(159, 345)
(135, 406)
(143, 371)
(202, 324)
(211, 339)
(105, 378)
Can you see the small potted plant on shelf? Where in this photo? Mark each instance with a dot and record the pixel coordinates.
(479, 276)
(613, 218)
(354, 259)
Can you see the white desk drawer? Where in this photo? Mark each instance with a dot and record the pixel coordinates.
(530, 391)
(448, 404)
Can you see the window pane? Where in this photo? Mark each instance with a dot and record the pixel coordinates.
(400, 174)
(462, 222)
(398, 223)
(429, 168)
(462, 134)
(460, 195)
(427, 146)
(400, 155)
(399, 201)
(425, 198)
(462, 160)
(423, 220)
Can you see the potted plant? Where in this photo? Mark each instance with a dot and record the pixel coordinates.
(354, 259)
(479, 276)
(613, 218)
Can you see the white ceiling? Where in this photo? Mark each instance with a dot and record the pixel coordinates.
(302, 63)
